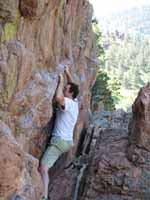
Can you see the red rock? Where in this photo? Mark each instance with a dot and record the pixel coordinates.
(139, 129)
(18, 169)
(28, 8)
(45, 34)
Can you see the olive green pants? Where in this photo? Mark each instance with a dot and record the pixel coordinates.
(54, 150)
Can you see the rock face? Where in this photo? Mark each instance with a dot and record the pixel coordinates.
(140, 125)
(118, 163)
(19, 175)
(36, 38)
(111, 119)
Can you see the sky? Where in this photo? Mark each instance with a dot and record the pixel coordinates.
(105, 7)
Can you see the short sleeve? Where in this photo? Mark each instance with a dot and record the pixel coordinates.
(68, 103)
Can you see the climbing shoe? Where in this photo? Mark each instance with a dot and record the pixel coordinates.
(44, 198)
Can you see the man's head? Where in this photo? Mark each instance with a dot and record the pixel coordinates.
(71, 90)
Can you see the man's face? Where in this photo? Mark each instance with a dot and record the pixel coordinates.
(67, 92)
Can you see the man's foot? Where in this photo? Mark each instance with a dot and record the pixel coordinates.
(44, 198)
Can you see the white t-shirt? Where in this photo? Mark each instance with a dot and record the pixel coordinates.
(66, 119)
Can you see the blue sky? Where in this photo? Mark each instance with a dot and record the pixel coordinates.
(104, 7)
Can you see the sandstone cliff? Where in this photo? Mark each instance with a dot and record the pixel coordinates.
(36, 37)
(109, 161)
(116, 166)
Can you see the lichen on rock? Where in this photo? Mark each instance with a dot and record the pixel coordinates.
(11, 28)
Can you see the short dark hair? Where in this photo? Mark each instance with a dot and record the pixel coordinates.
(74, 88)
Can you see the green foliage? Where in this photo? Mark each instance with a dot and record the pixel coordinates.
(99, 42)
(127, 59)
(105, 92)
(101, 94)
(114, 86)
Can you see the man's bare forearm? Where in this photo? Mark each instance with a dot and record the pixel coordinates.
(59, 92)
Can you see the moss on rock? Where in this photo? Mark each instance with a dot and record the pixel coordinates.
(11, 28)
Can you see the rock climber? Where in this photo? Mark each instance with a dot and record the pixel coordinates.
(62, 134)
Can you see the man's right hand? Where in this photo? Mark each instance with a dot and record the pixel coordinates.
(68, 74)
(67, 71)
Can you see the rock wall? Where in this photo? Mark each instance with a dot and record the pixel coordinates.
(116, 163)
(36, 38)
(111, 119)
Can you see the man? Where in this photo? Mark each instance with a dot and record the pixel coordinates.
(62, 135)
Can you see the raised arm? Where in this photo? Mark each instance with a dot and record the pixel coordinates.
(59, 91)
(68, 74)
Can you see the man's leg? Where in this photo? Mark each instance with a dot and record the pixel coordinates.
(45, 178)
(49, 158)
